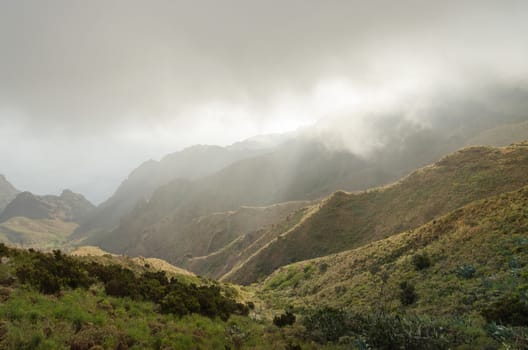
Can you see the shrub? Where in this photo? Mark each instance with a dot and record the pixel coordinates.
(421, 261)
(375, 330)
(509, 310)
(286, 319)
(323, 267)
(407, 293)
(49, 273)
(466, 271)
(326, 324)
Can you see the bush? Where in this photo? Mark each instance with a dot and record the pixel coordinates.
(375, 331)
(510, 310)
(286, 319)
(466, 271)
(323, 267)
(421, 261)
(326, 324)
(407, 294)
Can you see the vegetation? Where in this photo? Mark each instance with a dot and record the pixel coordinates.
(473, 295)
(56, 301)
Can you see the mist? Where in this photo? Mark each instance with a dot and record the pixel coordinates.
(90, 90)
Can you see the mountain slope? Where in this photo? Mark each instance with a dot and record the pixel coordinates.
(475, 257)
(190, 163)
(221, 261)
(7, 192)
(347, 220)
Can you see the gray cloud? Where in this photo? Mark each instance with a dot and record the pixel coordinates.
(105, 84)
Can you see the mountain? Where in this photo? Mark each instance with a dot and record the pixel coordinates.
(191, 163)
(471, 261)
(7, 192)
(42, 221)
(292, 172)
(69, 207)
(349, 220)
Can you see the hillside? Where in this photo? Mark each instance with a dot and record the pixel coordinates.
(349, 220)
(220, 262)
(463, 263)
(7, 192)
(56, 301)
(137, 264)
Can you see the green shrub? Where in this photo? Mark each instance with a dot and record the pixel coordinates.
(509, 310)
(375, 330)
(466, 271)
(286, 319)
(323, 267)
(326, 324)
(407, 293)
(421, 261)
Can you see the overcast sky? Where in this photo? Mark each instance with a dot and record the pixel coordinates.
(90, 89)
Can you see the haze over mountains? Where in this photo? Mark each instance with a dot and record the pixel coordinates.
(302, 167)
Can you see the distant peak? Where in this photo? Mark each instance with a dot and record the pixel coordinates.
(67, 192)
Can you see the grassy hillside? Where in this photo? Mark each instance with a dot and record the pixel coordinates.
(54, 301)
(137, 264)
(349, 220)
(489, 236)
(468, 268)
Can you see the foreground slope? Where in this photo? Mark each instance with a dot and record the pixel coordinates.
(55, 301)
(348, 220)
(464, 263)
